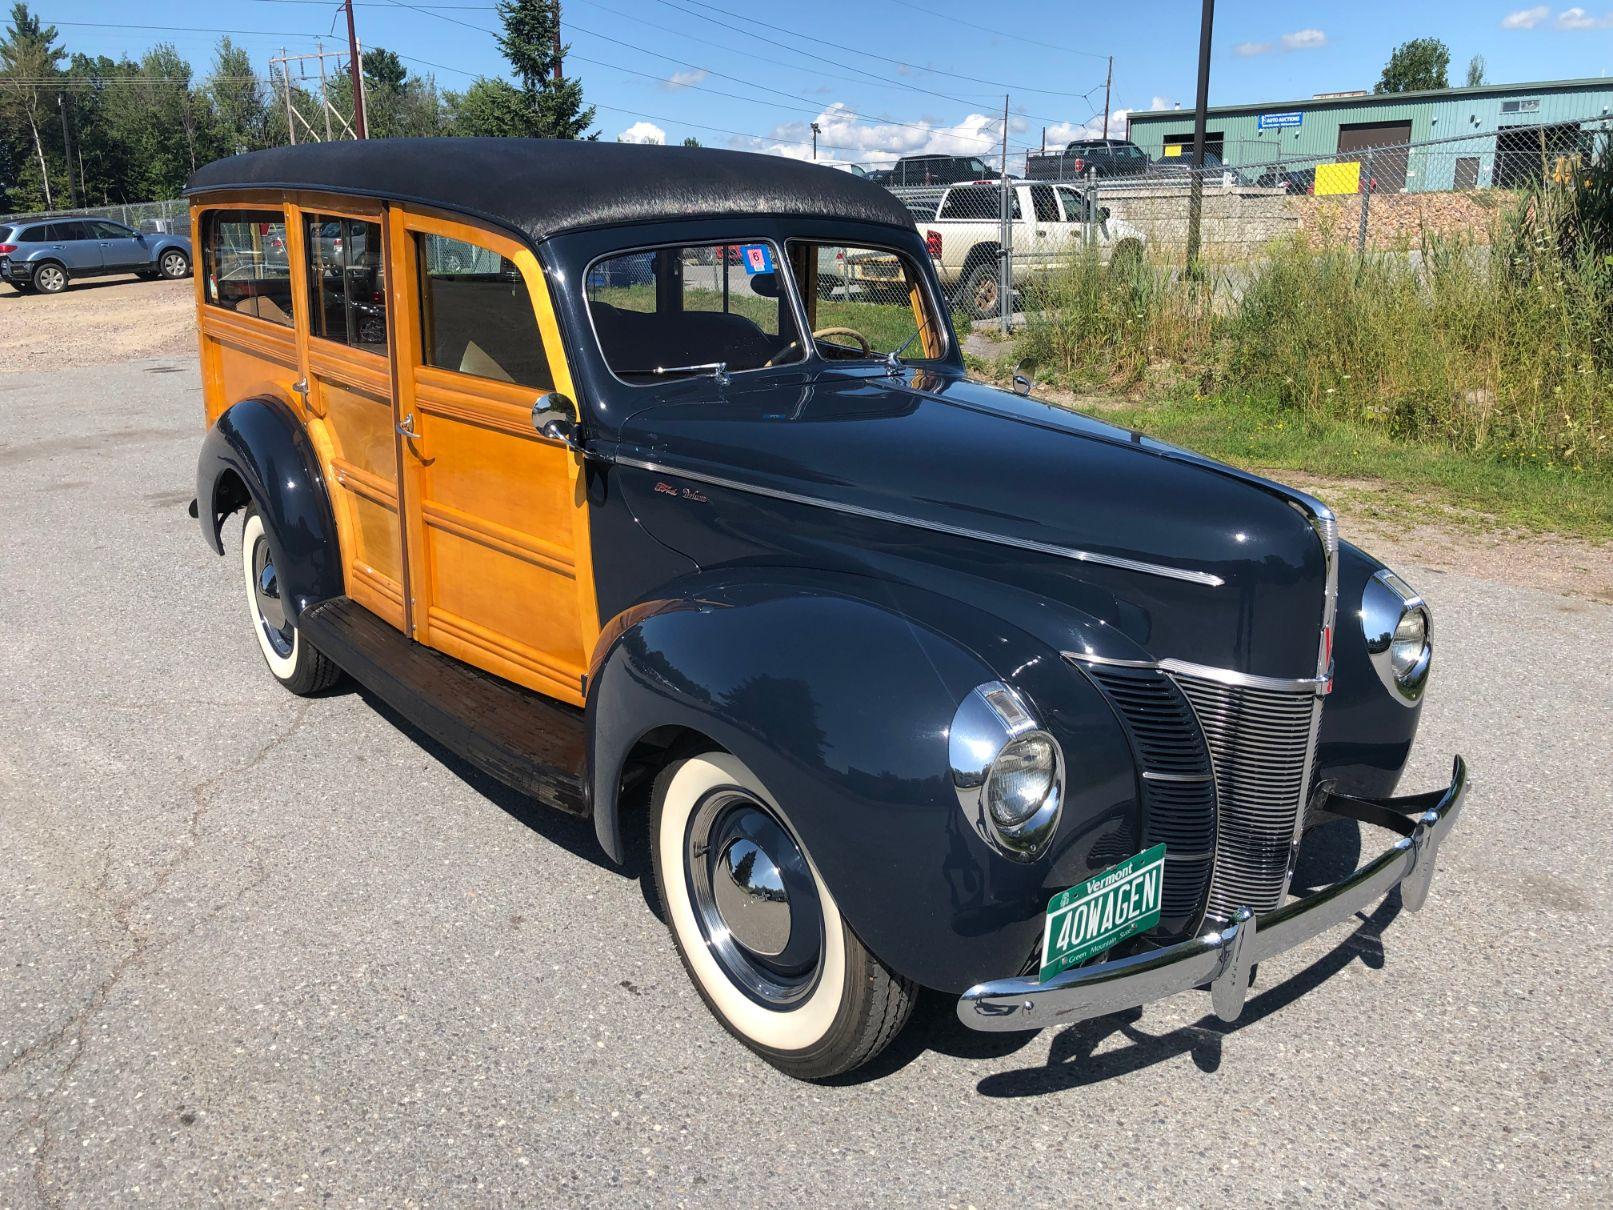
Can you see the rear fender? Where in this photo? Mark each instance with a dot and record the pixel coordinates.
(257, 452)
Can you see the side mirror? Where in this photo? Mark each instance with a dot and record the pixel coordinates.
(554, 416)
(1103, 214)
(1024, 374)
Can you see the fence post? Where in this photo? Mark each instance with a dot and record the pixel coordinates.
(1005, 261)
(1366, 202)
(1096, 223)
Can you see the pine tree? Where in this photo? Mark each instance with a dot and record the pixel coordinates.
(550, 108)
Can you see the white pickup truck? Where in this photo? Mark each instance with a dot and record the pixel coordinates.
(962, 228)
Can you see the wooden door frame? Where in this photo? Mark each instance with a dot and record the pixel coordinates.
(511, 405)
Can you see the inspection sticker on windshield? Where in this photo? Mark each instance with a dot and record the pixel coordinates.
(757, 258)
(1104, 910)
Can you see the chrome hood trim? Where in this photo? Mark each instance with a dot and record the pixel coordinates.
(957, 531)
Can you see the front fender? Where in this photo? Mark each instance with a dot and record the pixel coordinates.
(1366, 733)
(838, 692)
(257, 451)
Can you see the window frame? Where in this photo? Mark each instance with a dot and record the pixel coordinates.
(780, 269)
(247, 211)
(305, 214)
(942, 327)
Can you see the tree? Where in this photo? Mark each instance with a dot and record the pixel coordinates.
(30, 60)
(489, 109)
(691, 141)
(551, 108)
(1475, 71)
(240, 103)
(1416, 66)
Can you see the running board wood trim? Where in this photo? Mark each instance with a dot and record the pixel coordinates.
(529, 742)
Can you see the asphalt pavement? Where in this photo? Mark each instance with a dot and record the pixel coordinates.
(260, 950)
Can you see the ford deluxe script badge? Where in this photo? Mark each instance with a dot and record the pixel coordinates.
(1103, 911)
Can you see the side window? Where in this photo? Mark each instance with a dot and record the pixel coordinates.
(1074, 207)
(977, 202)
(475, 314)
(247, 266)
(346, 282)
(1046, 205)
(65, 231)
(105, 230)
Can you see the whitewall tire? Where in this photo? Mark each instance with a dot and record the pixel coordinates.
(295, 664)
(758, 928)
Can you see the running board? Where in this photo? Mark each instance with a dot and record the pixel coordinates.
(525, 740)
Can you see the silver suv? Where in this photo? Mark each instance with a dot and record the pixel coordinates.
(45, 254)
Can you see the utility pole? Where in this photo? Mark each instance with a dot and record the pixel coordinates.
(557, 42)
(1195, 188)
(355, 67)
(815, 133)
(1108, 83)
(73, 184)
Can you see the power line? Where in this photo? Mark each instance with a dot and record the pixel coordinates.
(1001, 33)
(1002, 84)
(190, 29)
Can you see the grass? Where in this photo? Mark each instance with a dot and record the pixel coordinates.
(1482, 375)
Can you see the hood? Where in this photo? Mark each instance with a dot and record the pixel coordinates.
(1186, 557)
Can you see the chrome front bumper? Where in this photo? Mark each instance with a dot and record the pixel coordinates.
(1223, 958)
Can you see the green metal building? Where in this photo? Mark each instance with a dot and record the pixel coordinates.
(1453, 138)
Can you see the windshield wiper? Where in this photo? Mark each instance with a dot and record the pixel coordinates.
(893, 361)
(717, 369)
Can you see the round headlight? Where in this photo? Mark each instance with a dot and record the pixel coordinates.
(1021, 778)
(1406, 648)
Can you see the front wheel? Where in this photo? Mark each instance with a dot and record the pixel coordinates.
(174, 264)
(294, 663)
(758, 929)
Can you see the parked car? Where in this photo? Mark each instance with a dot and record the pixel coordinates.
(1291, 180)
(1049, 227)
(900, 679)
(1105, 157)
(934, 170)
(46, 254)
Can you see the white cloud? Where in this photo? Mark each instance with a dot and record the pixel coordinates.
(1092, 128)
(1304, 39)
(1578, 18)
(842, 138)
(642, 132)
(1249, 50)
(685, 79)
(1525, 18)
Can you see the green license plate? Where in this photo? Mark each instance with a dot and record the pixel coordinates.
(1103, 911)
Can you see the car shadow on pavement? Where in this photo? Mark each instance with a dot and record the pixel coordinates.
(1330, 853)
(574, 835)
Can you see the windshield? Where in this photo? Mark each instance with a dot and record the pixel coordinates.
(692, 309)
(865, 303)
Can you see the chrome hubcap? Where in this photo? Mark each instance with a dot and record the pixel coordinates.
(266, 599)
(754, 898)
(173, 265)
(49, 279)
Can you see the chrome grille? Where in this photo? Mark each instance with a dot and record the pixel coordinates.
(1177, 786)
(1260, 742)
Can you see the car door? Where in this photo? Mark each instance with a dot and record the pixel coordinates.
(1048, 238)
(74, 243)
(495, 516)
(1074, 230)
(120, 247)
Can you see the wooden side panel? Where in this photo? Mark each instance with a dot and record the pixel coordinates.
(497, 526)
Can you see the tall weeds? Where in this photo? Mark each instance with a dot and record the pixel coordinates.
(1504, 350)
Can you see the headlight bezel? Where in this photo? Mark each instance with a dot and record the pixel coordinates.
(990, 721)
(1386, 602)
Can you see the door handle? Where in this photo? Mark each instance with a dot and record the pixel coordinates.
(406, 429)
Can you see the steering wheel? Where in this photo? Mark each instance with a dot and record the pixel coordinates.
(867, 349)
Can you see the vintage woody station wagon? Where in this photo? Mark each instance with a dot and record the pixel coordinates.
(596, 463)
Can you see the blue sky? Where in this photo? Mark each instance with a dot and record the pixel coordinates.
(887, 77)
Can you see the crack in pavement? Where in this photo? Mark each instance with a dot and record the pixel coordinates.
(74, 1030)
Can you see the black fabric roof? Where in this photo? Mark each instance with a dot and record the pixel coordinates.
(542, 187)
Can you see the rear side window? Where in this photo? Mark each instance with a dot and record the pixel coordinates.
(63, 232)
(476, 315)
(977, 202)
(1047, 207)
(346, 282)
(246, 263)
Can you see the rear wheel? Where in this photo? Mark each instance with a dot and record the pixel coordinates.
(50, 278)
(757, 928)
(295, 664)
(982, 292)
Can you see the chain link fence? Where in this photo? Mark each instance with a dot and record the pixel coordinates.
(168, 216)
